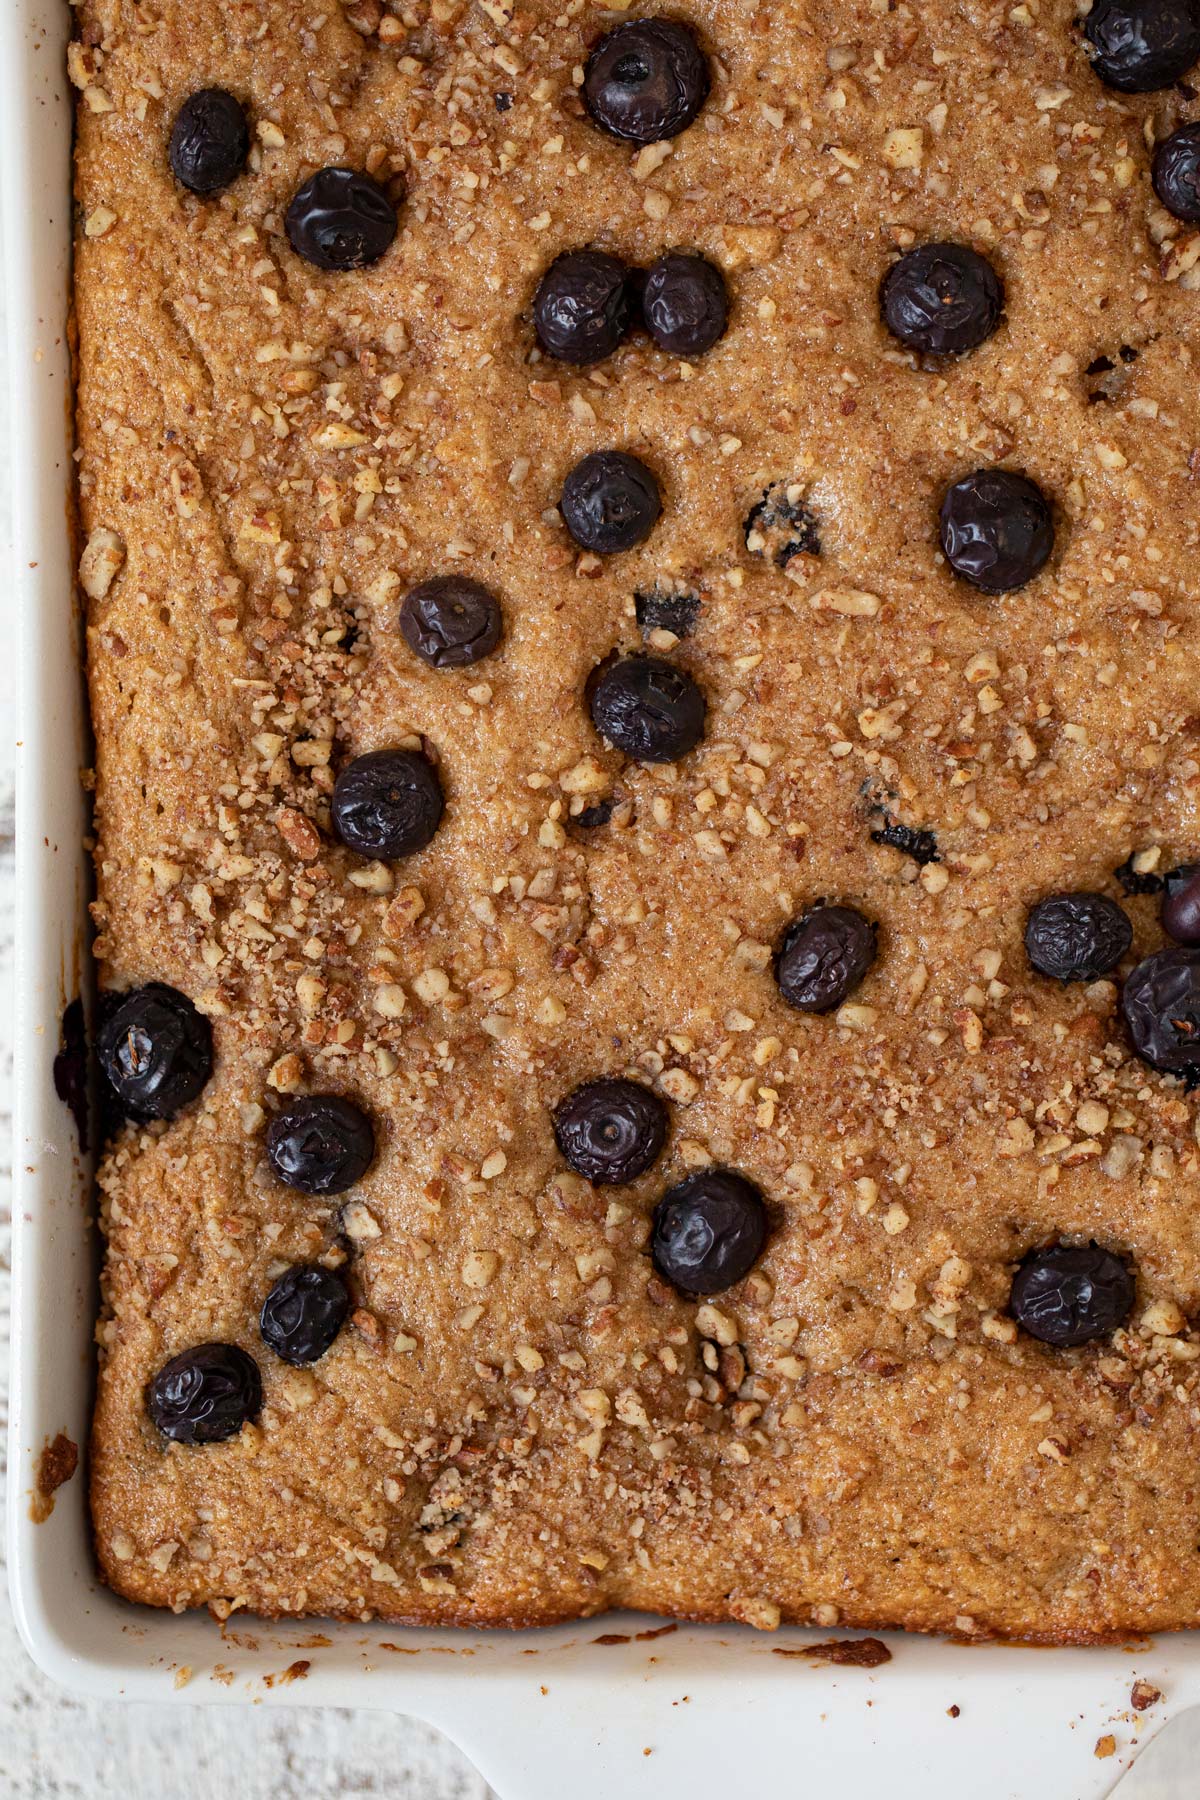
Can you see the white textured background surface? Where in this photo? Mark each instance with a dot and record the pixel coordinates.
(55, 1747)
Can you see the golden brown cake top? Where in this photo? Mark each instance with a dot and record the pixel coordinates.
(522, 1417)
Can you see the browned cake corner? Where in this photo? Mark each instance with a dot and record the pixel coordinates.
(878, 1355)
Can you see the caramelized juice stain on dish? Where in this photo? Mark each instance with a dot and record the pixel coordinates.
(847, 1653)
(56, 1464)
(296, 1671)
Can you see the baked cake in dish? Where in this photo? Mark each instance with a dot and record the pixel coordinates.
(642, 621)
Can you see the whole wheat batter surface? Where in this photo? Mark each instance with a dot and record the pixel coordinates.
(521, 1421)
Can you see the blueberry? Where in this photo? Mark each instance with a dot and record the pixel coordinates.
(156, 1051)
(303, 1313)
(1077, 936)
(387, 804)
(996, 529)
(451, 621)
(685, 305)
(1141, 45)
(1134, 881)
(583, 306)
(782, 525)
(210, 141)
(321, 1144)
(646, 80)
(667, 609)
(205, 1394)
(1175, 173)
(943, 299)
(1180, 912)
(340, 219)
(611, 1130)
(708, 1231)
(910, 840)
(71, 1067)
(1161, 1004)
(823, 956)
(610, 502)
(648, 709)
(1067, 1295)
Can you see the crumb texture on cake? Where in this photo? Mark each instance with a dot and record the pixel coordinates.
(520, 1420)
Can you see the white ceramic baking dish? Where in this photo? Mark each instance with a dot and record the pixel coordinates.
(693, 1710)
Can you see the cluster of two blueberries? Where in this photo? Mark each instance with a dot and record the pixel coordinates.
(1083, 936)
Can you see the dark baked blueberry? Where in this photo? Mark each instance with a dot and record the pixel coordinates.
(1180, 912)
(660, 609)
(708, 1231)
(910, 840)
(943, 299)
(205, 1394)
(303, 1313)
(646, 80)
(583, 306)
(648, 708)
(823, 956)
(782, 525)
(1066, 1294)
(156, 1050)
(685, 305)
(1140, 45)
(71, 1067)
(592, 817)
(996, 529)
(610, 502)
(1161, 1004)
(1175, 173)
(387, 803)
(340, 219)
(1134, 883)
(321, 1144)
(451, 621)
(1076, 937)
(611, 1130)
(210, 141)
